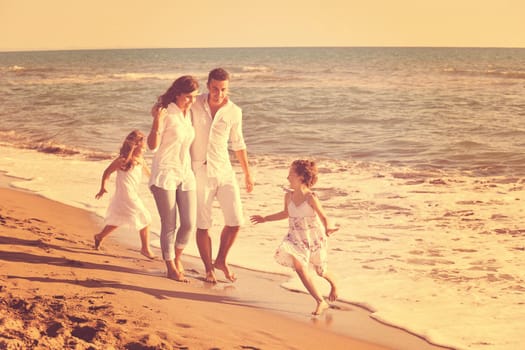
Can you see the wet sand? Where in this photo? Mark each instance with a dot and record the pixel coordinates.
(57, 291)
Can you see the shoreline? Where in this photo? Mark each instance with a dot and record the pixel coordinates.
(256, 292)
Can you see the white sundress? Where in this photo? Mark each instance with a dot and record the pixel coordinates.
(306, 240)
(126, 207)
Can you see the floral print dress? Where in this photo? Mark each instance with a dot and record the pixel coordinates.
(306, 240)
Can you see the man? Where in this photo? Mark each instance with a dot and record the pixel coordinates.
(217, 121)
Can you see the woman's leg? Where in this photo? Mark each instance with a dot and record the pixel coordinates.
(166, 206)
(187, 206)
(305, 277)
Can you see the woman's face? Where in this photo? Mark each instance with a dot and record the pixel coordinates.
(184, 101)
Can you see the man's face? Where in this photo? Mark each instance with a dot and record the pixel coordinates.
(218, 90)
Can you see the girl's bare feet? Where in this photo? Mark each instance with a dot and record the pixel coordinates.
(147, 253)
(321, 306)
(98, 241)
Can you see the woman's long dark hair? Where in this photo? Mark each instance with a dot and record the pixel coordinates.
(183, 85)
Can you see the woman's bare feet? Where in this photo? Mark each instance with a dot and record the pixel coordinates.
(225, 269)
(177, 276)
(179, 266)
(174, 273)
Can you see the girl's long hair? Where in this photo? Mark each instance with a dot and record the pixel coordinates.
(126, 151)
(183, 85)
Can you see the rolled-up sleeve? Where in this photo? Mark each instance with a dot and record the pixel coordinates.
(236, 135)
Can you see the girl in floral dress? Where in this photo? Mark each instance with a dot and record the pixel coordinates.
(308, 231)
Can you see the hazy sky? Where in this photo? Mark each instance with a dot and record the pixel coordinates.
(81, 24)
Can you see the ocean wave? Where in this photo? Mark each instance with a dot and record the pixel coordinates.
(491, 73)
(21, 70)
(134, 76)
(256, 69)
(50, 146)
(45, 76)
(15, 68)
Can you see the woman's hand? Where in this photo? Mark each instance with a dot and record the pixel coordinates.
(155, 109)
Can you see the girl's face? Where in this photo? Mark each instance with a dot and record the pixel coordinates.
(184, 101)
(294, 179)
(140, 145)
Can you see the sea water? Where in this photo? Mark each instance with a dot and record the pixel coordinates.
(420, 152)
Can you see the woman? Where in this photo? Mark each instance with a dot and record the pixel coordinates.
(172, 181)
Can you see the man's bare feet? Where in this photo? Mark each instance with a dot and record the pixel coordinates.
(225, 269)
(333, 294)
(98, 241)
(321, 306)
(147, 253)
(210, 277)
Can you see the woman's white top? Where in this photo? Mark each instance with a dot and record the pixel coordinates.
(171, 165)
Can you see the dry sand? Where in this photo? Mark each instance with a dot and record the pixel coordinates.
(57, 292)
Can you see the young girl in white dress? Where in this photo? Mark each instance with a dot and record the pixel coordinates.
(308, 231)
(126, 207)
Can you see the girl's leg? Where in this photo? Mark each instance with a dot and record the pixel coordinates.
(303, 273)
(100, 236)
(166, 206)
(187, 206)
(144, 240)
(329, 277)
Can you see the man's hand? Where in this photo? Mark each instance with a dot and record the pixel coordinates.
(248, 180)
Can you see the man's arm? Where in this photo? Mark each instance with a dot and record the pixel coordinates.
(242, 157)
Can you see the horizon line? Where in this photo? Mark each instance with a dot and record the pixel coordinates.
(255, 47)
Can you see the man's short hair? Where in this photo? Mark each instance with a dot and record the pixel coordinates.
(218, 74)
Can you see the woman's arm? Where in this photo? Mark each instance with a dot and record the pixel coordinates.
(158, 114)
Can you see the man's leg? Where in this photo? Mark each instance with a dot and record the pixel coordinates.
(204, 245)
(228, 236)
(229, 198)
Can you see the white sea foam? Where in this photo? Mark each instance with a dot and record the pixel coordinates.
(436, 253)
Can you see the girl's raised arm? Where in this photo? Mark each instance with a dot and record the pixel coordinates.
(115, 164)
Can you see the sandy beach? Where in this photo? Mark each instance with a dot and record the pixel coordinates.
(58, 292)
